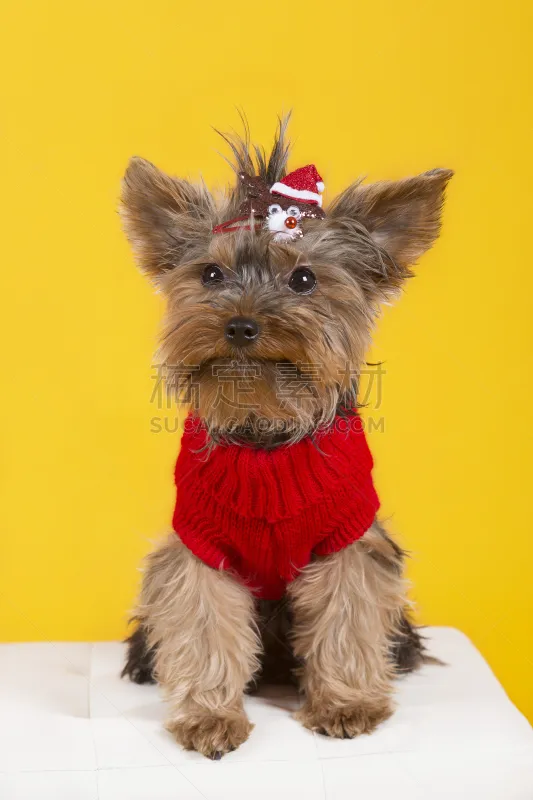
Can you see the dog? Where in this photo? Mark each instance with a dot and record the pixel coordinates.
(277, 569)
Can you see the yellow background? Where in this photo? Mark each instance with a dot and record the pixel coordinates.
(381, 88)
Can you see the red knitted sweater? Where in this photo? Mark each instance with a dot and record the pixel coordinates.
(263, 513)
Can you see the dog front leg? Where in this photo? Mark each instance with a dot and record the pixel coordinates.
(200, 624)
(346, 607)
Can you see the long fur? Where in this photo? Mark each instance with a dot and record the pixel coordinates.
(343, 632)
(200, 625)
(347, 608)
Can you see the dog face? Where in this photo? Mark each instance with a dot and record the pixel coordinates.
(264, 333)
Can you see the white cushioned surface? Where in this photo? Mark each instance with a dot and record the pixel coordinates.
(70, 728)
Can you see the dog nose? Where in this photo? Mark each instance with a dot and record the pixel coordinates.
(241, 331)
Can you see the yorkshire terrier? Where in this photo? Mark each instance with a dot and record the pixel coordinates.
(277, 569)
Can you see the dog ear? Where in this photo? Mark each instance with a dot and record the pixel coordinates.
(402, 217)
(162, 216)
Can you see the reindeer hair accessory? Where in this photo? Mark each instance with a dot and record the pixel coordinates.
(280, 208)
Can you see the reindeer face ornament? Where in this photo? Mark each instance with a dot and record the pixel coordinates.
(282, 207)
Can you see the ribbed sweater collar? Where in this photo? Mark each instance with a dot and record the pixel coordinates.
(279, 483)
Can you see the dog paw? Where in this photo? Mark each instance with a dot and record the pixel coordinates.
(211, 735)
(344, 723)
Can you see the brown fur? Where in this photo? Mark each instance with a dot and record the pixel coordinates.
(360, 254)
(275, 620)
(346, 607)
(200, 623)
(198, 627)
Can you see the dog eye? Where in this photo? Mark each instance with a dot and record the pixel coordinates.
(212, 275)
(274, 209)
(294, 211)
(302, 281)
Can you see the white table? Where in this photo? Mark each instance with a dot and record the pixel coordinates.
(70, 728)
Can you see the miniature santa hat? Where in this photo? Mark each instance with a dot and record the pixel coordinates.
(303, 185)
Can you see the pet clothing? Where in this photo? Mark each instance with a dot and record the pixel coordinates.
(263, 513)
